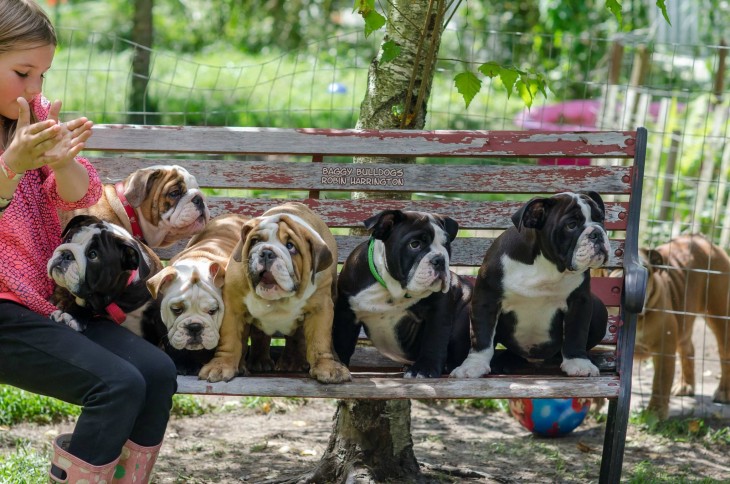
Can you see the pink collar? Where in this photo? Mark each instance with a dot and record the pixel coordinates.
(113, 310)
(136, 229)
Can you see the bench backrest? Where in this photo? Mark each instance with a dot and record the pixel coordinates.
(488, 175)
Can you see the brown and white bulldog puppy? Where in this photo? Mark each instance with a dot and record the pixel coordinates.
(190, 293)
(281, 279)
(688, 276)
(158, 205)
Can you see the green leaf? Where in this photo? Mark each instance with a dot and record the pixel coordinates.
(468, 86)
(525, 92)
(363, 6)
(615, 9)
(373, 22)
(509, 77)
(490, 69)
(391, 50)
(663, 7)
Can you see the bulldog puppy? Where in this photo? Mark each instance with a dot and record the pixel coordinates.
(190, 294)
(100, 270)
(281, 278)
(158, 205)
(533, 290)
(688, 276)
(400, 288)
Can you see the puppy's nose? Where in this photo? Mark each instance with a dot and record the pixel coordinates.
(267, 257)
(194, 329)
(66, 256)
(595, 235)
(198, 201)
(438, 263)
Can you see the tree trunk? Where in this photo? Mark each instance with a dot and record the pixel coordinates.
(370, 442)
(398, 91)
(142, 35)
(371, 439)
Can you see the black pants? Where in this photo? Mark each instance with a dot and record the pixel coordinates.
(124, 383)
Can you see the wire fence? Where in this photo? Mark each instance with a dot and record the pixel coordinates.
(675, 90)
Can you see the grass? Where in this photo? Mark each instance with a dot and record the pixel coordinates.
(224, 86)
(685, 429)
(20, 406)
(24, 466)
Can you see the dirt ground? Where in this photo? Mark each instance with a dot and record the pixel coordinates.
(272, 442)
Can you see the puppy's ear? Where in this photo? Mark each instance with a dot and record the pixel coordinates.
(130, 257)
(79, 221)
(218, 273)
(533, 214)
(237, 255)
(139, 183)
(382, 224)
(596, 198)
(321, 256)
(157, 283)
(450, 225)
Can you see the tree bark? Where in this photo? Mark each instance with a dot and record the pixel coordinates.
(371, 439)
(141, 34)
(370, 442)
(398, 91)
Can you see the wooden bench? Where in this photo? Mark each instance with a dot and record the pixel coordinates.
(479, 178)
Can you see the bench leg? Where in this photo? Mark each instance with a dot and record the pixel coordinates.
(619, 408)
(614, 441)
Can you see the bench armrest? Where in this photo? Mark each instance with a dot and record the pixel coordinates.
(634, 293)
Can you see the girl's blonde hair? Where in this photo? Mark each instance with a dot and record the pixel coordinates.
(23, 25)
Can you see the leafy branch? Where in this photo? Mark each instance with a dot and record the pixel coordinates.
(527, 83)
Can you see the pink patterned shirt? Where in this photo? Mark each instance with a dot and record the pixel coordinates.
(30, 230)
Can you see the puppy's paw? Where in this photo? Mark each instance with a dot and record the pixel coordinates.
(422, 370)
(579, 367)
(60, 316)
(722, 394)
(330, 371)
(261, 364)
(218, 369)
(683, 389)
(475, 365)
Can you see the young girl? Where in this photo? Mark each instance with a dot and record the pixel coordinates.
(124, 384)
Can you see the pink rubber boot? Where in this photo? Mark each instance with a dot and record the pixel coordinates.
(76, 471)
(136, 463)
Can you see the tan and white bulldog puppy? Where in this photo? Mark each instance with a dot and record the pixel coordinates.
(190, 287)
(281, 278)
(158, 205)
(688, 276)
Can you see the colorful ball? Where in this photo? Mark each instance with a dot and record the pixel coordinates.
(550, 417)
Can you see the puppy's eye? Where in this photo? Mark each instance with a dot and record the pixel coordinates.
(175, 193)
(176, 310)
(213, 311)
(290, 247)
(415, 244)
(572, 225)
(92, 255)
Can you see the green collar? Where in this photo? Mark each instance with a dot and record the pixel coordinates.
(371, 263)
(373, 269)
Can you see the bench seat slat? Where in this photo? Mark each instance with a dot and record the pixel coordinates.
(354, 142)
(374, 387)
(438, 178)
(351, 213)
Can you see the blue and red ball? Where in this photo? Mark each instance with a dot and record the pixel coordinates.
(550, 417)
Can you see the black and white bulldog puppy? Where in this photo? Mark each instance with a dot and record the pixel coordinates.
(101, 271)
(400, 288)
(533, 291)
